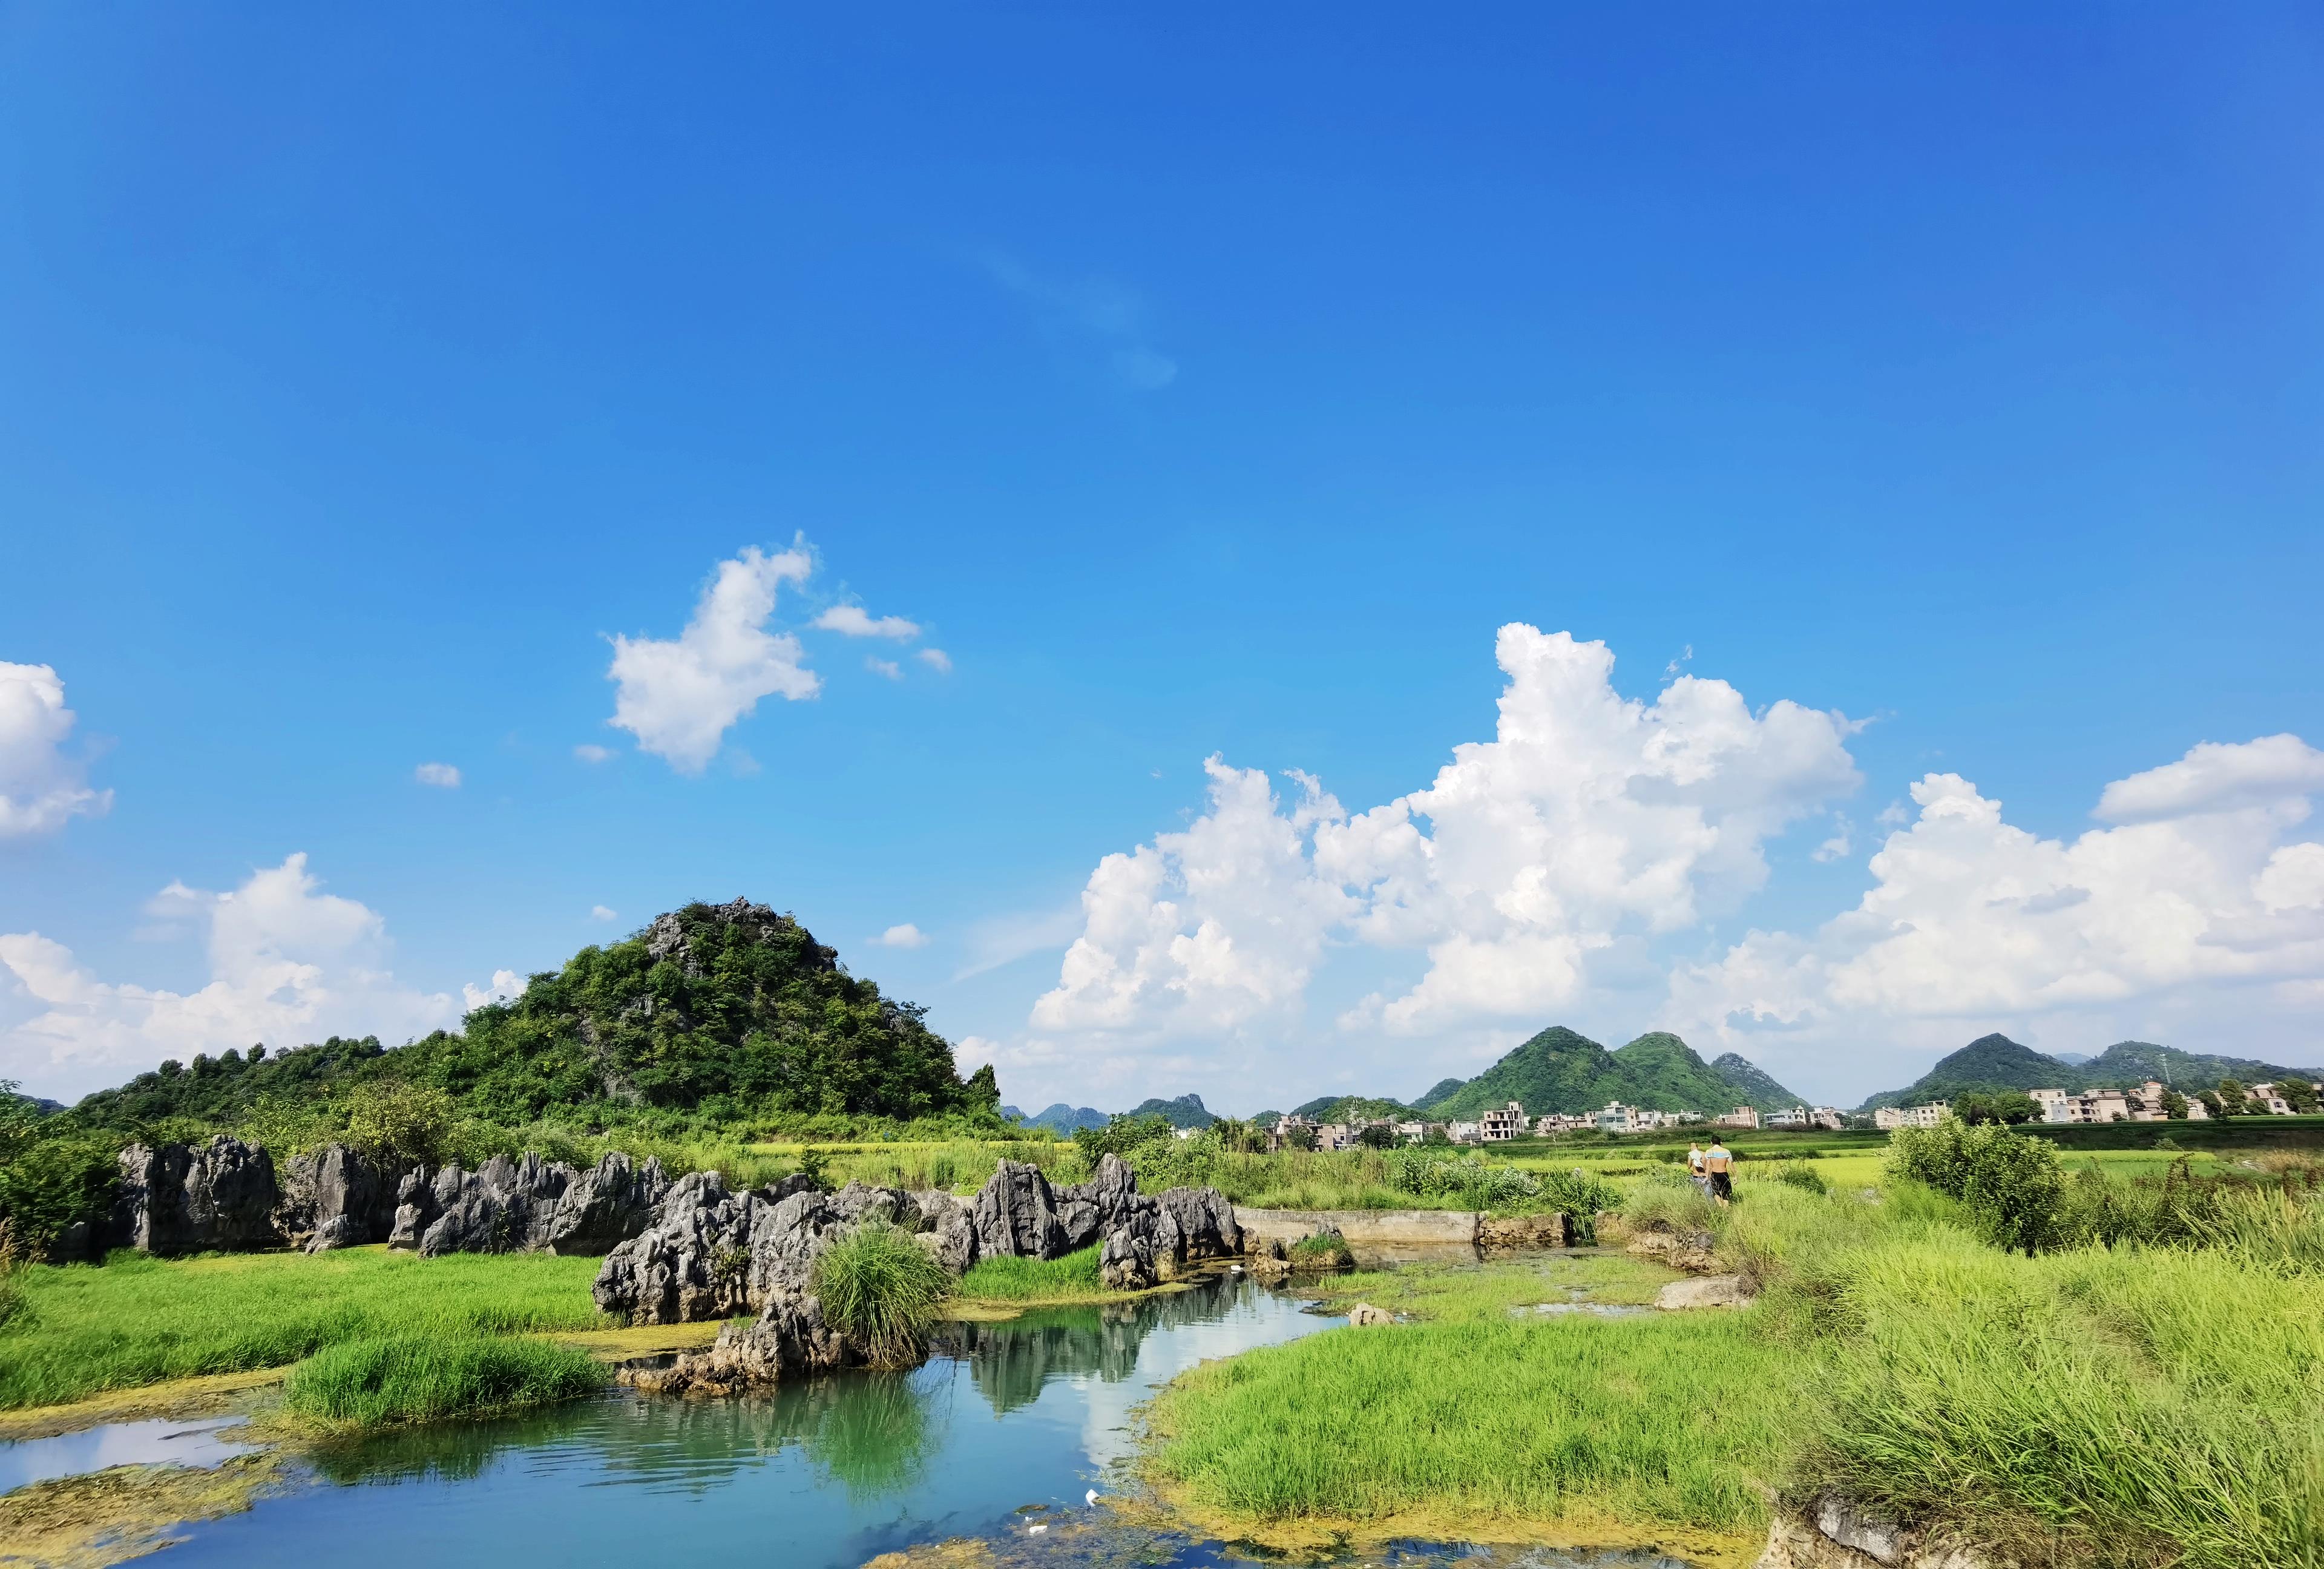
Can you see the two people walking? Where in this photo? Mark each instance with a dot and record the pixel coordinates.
(1712, 1170)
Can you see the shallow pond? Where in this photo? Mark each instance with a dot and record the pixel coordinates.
(1002, 1438)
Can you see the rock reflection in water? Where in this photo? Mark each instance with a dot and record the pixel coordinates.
(1013, 1360)
(870, 1432)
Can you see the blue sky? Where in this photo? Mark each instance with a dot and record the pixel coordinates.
(1199, 387)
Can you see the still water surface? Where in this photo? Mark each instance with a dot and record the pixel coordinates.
(826, 1473)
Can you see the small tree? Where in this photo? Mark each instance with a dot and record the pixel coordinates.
(400, 1120)
(2233, 1098)
(2174, 1105)
(1377, 1136)
(2299, 1094)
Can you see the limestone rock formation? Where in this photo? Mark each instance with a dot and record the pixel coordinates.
(1016, 1216)
(1704, 1291)
(1206, 1223)
(712, 1253)
(176, 1199)
(789, 1336)
(337, 1197)
(526, 1204)
(1087, 1211)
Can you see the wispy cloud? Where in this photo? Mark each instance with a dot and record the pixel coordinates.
(854, 621)
(888, 667)
(1003, 939)
(1090, 318)
(442, 775)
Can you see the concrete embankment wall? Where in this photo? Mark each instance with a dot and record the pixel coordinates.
(1363, 1228)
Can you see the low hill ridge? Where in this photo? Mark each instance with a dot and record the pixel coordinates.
(1563, 1070)
(1996, 1062)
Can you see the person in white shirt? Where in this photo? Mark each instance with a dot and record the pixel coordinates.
(1695, 1169)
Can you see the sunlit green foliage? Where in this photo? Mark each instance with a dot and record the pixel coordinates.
(412, 1378)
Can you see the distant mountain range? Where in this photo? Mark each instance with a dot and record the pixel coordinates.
(1065, 1119)
(1996, 1062)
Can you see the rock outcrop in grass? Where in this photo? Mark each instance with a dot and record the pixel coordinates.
(178, 1199)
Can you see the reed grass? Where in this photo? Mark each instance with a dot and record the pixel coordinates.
(412, 1377)
(139, 1320)
(1071, 1279)
(883, 1290)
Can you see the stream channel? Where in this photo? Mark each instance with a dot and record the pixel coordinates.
(1002, 1438)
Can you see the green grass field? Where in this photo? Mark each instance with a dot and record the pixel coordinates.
(138, 1320)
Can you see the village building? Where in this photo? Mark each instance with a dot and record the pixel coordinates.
(1889, 1118)
(1505, 1122)
(1463, 1133)
(2096, 1106)
(1744, 1117)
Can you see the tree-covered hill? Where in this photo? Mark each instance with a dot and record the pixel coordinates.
(733, 1010)
(1560, 1070)
(1185, 1111)
(1441, 1090)
(1996, 1062)
(1354, 1109)
(1754, 1086)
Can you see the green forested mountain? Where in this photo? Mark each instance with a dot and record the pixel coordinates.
(1441, 1090)
(1996, 1062)
(1352, 1109)
(1559, 1070)
(732, 1010)
(1753, 1084)
(1185, 1111)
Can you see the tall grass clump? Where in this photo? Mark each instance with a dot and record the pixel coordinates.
(1071, 1279)
(2137, 1406)
(405, 1379)
(882, 1290)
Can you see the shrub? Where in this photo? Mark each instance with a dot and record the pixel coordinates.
(883, 1291)
(431, 1378)
(1583, 1198)
(2012, 1185)
(1793, 1173)
(391, 1118)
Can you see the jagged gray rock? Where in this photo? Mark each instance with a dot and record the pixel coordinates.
(527, 1205)
(949, 1230)
(174, 1199)
(1016, 1216)
(606, 1205)
(710, 1254)
(1087, 1211)
(1207, 1228)
(337, 1197)
(790, 1335)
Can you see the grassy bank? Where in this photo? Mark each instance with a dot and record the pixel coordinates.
(412, 1377)
(139, 1320)
(1668, 1421)
(2134, 1405)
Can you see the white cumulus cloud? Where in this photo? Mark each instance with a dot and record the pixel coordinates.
(507, 987)
(2196, 910)
(679, 697)
(906, 936)
(854, 621)
(442, 775)
(1588, 822)
(40, 787)
(936, 659)
(602, 912)
(288, 964)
